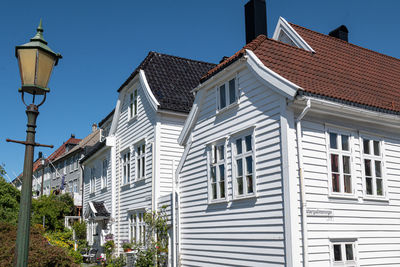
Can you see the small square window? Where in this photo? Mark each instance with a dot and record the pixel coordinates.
(343, 253)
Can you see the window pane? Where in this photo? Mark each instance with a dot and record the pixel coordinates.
(337, 252)
(222, 97)
(366, 146)
(345, 142)
(333, 140)
(376, 148)
(248, 143)
(379, 190)
(214, 154)
(214, 191)
(378, 168)
(232, 91)
(239, 164)
(249, 180)
(138, 168)
(249, 165)
(349, 252)
(369, 185)
(221, 172)
(222, 189)
(335, 182)
(221, 152)
(239, 146)
(347, 183)
(334, 163)
(213, 175)
(143, 169)
(346, 164)
(367, 163)
(240, 186)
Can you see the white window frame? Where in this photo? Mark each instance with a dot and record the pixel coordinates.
(92, 178)
(344, 262)
(140, 159)
(227, 94)
(76, 162)
(341, 153)
(235, 157)
(373, 159)
(75, 186)
(133, 104)
(64, 167)
(126, 167)
(212, 149)
(137, 227)
(104, 171)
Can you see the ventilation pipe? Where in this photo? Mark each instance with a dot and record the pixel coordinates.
(255, 19)
(341, 33)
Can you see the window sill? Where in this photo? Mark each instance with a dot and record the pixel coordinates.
(374, 198)
(126, 185)
(218, 201)
(342, 196)
(104, 189)
(92, 194)
(134, 118)
(229, 107)
(237, 198)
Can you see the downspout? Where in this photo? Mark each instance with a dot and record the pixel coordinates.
(302, 186)
(82, 189)
(153, 170)
(173, 217)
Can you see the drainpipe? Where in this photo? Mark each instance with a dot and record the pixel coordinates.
(82, 187)
(173, 216)
(302, 186)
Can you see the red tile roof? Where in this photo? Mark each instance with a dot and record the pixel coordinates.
(61, 150)
(338, 69)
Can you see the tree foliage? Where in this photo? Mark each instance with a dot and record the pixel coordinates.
(53, 208)
(9, 200)
(41, 253)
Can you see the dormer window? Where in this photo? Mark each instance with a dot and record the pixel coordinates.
(227, 94)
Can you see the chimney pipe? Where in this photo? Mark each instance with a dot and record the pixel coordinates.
(255, 19)
(94, 127)
(40, 155)
(341, 33)
(72, 135)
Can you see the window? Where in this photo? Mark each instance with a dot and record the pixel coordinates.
(140, 161)
(137, 228)
(92, 180)
(126, 168)
(104, 174)
(67, 162)
(373, 166)
(76, 162)
(343, 253)
(243, 166)
(64, 167)
(75, 186)
(340, 163)
(133, 104)
(217, 172)
(70, 187)
(227, 94)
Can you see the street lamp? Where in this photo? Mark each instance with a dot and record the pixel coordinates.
(36, 61)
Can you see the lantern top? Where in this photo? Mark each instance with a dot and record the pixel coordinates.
(38, 42)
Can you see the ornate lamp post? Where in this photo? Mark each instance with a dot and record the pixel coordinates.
(36, 61)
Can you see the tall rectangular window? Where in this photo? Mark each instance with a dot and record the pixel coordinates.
(92, 180)
(244, 179)
(340, 163)
(126, 167)
(227, 94)
(216, 171)
(373, 166)
(75, 186)
(137, 228)
(140, 161)
(133, 104)
(104, 174)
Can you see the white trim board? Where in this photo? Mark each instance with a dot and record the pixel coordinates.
(284, 26)
(149, 94)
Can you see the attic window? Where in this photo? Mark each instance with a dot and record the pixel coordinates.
(284, 38)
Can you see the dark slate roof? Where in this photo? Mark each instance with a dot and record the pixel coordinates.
(106, 118)
(92, 150)
(101, 209)
(171, 79)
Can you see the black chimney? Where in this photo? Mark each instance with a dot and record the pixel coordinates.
(255, 19)
(341, 32)
(40, 155)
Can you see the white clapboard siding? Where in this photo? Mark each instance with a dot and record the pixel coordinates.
(100, 194)
(248, 232)
(136, 194)
(375, 224)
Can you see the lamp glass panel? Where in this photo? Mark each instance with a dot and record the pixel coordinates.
(27, 65)
(45, 66)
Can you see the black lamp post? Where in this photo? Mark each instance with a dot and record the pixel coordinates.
(36, 61)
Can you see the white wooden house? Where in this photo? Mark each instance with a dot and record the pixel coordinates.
(292, 156)
(141, 146)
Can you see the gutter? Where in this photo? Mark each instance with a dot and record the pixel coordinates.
(304, 231)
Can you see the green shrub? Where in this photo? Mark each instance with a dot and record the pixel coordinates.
(80, 230)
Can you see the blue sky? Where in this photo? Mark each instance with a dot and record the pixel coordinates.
(102, 42)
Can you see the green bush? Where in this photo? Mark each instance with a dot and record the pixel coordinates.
(41, 253)
(80, 230)
(9, 200)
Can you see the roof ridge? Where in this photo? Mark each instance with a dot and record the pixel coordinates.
(342, 41)
(183, 58)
